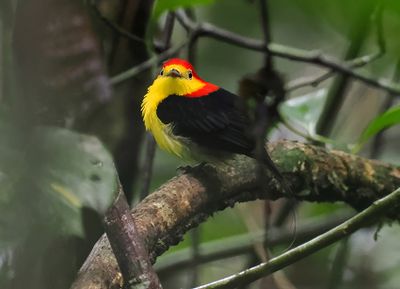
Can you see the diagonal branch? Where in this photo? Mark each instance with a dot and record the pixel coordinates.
(337, 91)
(182, 203)
(376, 211)
(113, 25)
(312, 57)
(154, 60)
(266, 26)
(128, 247)
(244, 244)
(147, 169)
(205, 29)
(354, 63)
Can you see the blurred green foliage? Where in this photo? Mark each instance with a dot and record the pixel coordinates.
(314, 25)
(305, 109)
(60, 171)
(50, 181)
(387, 119)
(56, 184)
(162, 6)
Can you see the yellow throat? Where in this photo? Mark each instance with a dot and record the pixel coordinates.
(162, 87)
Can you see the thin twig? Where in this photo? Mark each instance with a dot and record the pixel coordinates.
(150, 142)
(148, 166)
(167, 32)
(113, 26)
(290, 53)
(265, 115)
(373, 213)
(315, 81)
(312, 138)
(266, 26)
(318, 59)
(284, 212)
(378, 20)
(242, 244)
(155, 60)
(128, 246)
(195, 234)
(337, 91)
(354, 63)
(188, 199)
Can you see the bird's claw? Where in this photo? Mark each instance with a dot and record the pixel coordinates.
(183, 169)
(201, 165)
(187, 169)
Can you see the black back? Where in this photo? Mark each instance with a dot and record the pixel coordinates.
(215, 121)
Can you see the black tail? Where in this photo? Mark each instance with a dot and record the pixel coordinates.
(269, 163)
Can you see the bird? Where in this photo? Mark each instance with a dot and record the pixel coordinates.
(197, 120)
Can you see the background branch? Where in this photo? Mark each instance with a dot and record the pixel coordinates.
(266, 26)
(147, 168)
(353, 63)
(205, 29)
(145, 65)
(371, 214)
(128, 247)
(242, 244)
(134, 17)
(186, 200)
(163, 45)
(338, 90)
(113, 25)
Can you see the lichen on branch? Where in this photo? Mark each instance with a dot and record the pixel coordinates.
(314, 173)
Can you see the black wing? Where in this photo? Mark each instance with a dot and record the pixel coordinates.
(216, 121)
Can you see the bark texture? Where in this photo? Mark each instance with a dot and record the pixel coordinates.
(314, 173)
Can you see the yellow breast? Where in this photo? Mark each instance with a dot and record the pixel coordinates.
(161, 88)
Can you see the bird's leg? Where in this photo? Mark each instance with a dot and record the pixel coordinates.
(183, 169)
(187, 169)
(201, 165)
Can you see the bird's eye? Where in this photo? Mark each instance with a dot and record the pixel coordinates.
(190, 74)
(162, 72)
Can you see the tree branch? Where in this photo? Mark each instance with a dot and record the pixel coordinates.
(337, 91)
(377, 210)
(147, 168)
(113, 25)
(186, 200)
(146, 64)
(354, 63)
(242, 244)
(205, 29)
(128, 247)
(266, 26)
(313, 57)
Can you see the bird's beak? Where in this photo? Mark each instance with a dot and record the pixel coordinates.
(174, 73)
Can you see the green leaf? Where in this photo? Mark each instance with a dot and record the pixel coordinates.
(167, 5)
(47, 176)
(387, 119)
(305, 110)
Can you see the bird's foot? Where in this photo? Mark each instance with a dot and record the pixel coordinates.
(201, 165)
(187, 169)
(183, 169)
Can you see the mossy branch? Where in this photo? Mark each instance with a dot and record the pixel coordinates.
(314, 173)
